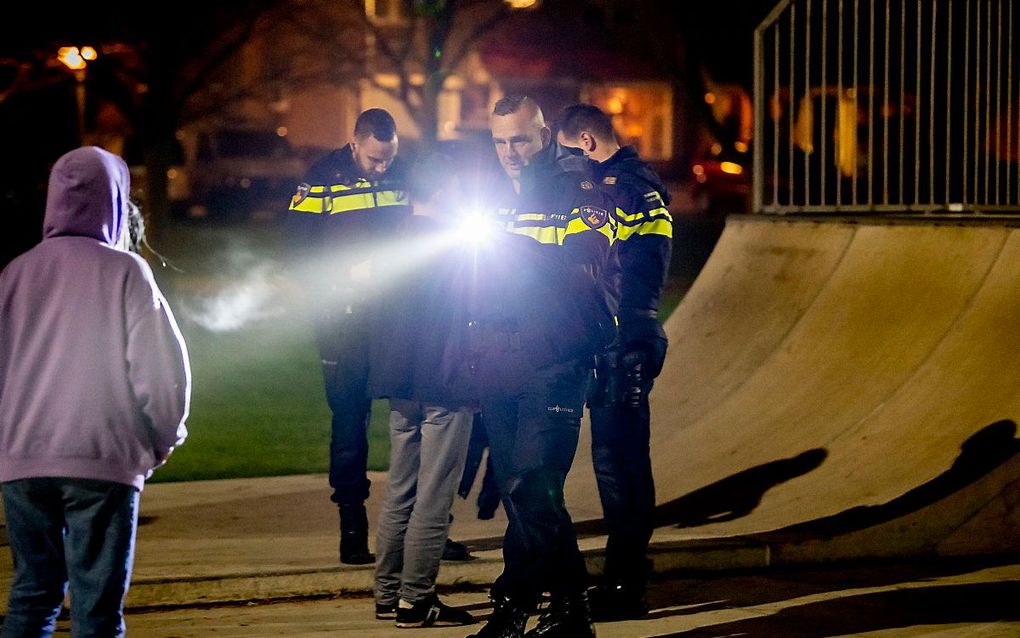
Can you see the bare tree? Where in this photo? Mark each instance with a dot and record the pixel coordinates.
(154, 61)
(407, 54)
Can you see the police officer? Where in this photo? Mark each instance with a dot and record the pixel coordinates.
(539, 320)
(619, 411)
(348, 205)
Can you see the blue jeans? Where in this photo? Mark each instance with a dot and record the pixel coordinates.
(76, 531)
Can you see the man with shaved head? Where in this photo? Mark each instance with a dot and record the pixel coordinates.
(518, 133)
(541, 322)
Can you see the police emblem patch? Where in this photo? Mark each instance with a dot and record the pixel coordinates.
(586, 185)
(609, 180)
(593, 217)
(302, 193)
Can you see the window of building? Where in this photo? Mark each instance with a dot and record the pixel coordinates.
(384, 12)
(642, 115)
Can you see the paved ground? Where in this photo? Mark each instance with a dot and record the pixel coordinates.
(971, 599)
(257, 557)
(835, 392)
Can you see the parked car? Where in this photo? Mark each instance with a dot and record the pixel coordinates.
(241, 172)
(720, 180)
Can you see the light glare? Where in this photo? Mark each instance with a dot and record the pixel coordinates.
(475, 228)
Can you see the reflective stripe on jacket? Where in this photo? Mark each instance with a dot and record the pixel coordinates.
(341, 198)
(337, 222)
(639, 263)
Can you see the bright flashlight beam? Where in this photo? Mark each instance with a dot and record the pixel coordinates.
(252, 290)
(475, 228)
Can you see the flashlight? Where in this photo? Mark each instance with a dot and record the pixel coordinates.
(475, 228)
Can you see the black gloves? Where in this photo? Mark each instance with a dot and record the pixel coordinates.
(643, 336)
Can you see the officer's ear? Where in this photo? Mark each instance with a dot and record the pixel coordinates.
(546, 136)
(588, 142)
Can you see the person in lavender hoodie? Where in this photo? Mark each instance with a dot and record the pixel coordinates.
(94, 392)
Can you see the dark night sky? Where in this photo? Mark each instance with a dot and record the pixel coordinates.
(719, 34)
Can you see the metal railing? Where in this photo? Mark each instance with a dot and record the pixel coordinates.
(888, 106)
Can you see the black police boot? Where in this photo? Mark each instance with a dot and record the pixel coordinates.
(617, 600)
(507, 620)
(354, 535)
(567, 616)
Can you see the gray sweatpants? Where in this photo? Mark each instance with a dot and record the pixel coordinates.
(428, 446)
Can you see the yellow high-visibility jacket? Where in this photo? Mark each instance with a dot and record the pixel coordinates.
(639, 262)
(562, 207)
(337, 223)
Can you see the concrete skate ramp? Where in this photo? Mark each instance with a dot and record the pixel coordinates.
(848, 387)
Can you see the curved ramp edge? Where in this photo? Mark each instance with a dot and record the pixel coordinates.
(848, 387)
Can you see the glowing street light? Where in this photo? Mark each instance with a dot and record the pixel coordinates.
(77, 60)
(74, 58)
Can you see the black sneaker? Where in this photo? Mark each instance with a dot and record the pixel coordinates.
(385, 611)
(431, 612)
(456, 551)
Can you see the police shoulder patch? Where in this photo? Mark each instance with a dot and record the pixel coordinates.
(594, 217)
(302, 192)
(653, 197)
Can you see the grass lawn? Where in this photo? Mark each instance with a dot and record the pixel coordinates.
(258, 405)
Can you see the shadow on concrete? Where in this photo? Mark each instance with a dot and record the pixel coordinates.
(737, 495)
(858, 613)
(980, 454)
(915, 597)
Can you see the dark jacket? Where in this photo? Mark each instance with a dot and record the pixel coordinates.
(639, 261)
(419, 349)
(527, 308)
(462, 318)
(338, 219)
(565, 214)
(94, 374)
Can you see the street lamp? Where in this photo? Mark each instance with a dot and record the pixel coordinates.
(77, 60)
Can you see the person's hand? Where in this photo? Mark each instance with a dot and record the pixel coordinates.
(645, 336)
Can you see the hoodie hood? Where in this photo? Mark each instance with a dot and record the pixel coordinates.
(88, 196)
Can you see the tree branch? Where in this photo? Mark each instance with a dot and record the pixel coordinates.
(480, 29)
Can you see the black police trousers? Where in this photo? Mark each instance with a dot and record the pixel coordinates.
(532, 421)
(343, 342)
(623, 471)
